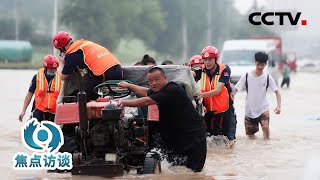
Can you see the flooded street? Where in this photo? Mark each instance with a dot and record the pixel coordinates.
(294, 143)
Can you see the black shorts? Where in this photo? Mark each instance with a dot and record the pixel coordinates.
(114, 73)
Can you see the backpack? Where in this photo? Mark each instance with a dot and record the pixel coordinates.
(247, 82)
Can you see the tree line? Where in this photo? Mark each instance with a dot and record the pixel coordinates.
(166, 26)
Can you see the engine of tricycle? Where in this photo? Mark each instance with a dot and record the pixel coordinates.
(105, 137)
(119, 135)
(107, 134)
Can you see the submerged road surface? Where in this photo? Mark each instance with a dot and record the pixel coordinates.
(292, 152)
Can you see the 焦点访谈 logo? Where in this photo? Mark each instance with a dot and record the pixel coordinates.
(44, 139)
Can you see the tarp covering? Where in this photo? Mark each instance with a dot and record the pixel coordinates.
(15, 51)
(138, 75)
(176, 73)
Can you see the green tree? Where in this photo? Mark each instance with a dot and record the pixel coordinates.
(7, 27)
(169, 40)
(227, 23)
(34, 20)
(108, 21)
(38, 12)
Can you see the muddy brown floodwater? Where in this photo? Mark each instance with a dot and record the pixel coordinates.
(292, 152)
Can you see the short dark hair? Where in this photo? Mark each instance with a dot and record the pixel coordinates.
(156, 68)
(167, 62)
(261, 57)
(147, 59)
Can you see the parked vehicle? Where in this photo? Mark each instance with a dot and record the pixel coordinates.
(239, 56)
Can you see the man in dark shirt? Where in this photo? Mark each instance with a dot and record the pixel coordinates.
(180, 125)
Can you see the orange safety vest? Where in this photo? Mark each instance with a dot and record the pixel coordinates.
(220, 102)
(46, 102)
(96, 57)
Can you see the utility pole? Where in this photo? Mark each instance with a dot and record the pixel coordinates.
(209, 21)
(55, 22)
(184, 31)
(255, 5)
(17, 20)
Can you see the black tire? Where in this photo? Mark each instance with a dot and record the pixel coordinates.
(70, 140)
(69, 145)
(152, 164)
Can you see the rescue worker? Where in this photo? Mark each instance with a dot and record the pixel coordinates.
(180, 125)
(45, 86)
(96, 63)
(214, 80)
(195, 63)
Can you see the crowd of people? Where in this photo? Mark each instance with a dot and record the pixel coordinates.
(182, 128)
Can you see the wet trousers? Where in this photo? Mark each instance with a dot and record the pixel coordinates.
(222, 123)
(43, 116)
(285, 81)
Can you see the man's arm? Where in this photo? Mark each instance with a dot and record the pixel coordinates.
(144, 101)
(63, 76)
(235, 91)
(26, 103)
(60, 68)
(141, 91)
(278, 108)
(215, 91)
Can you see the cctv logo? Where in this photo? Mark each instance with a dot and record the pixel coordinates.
(269, 18)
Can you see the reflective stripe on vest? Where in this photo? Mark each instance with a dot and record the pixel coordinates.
(96, 57)
(220, 102)
(46, 102)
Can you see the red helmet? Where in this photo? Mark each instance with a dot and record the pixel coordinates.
(210, 52)
(196, 59)
(50, 61)
(60, 39)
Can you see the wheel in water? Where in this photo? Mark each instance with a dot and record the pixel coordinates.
(152, 164)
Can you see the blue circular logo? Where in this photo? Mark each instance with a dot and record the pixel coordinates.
(42, 135)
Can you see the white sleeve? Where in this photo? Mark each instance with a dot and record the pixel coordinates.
(241, 83)
(272, 85)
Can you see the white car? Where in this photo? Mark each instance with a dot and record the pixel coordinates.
(239, 56)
